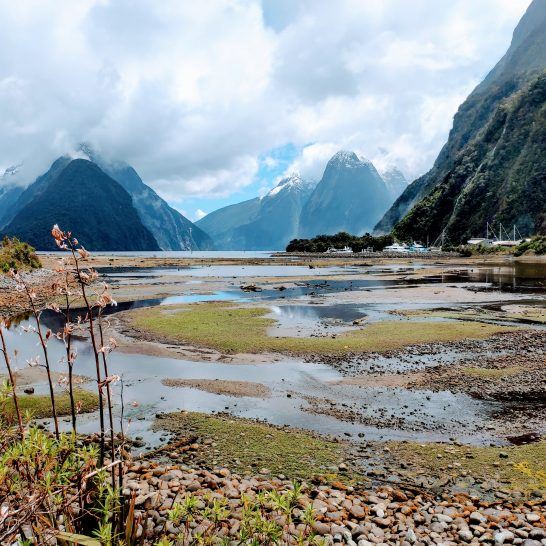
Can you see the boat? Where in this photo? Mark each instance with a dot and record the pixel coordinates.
(396, 247)
(417, 247)
(344, 250)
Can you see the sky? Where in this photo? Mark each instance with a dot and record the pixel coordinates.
(214, 101)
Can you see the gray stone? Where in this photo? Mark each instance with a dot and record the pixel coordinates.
(411, 537)
(466, 535)
(476, 517)
(503, 536)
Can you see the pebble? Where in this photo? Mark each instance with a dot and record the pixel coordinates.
(344, 515)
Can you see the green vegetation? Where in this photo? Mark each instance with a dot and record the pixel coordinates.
(517, 467)
(17, 255)
(245, 446)
(496, 176)
(537, 245)
(322, 243)
(526, 314)
(267, 518)
(244, 330)
(39, 405)
(477, 250)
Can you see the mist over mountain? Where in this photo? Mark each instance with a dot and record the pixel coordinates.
(395, 181)
(169, 229)
(492, 168)
(351, 196)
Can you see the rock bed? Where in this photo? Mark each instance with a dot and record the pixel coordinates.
(414, 358)
(13, 303)
(343, 515)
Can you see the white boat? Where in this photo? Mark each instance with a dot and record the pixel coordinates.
(483, 241)
(507, 243)
(344, 250)
(396, 247)
(417, 247)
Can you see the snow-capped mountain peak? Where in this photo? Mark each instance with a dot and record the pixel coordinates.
(345, 158)
(292, 182)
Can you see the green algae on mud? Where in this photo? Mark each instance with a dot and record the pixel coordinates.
(245, 446)
(39, 405)
(492, 373)
(516, 468)
(230, 329)
(526, 315)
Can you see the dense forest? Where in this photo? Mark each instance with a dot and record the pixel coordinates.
(322, 243)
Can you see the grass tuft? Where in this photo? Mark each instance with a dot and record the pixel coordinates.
(247, 447)
(39, 405)
(518, 468)
(244, 330)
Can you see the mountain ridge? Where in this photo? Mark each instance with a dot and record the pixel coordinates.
(351, 196)
(73, 197)
(524, 60)
(170, 229)
(265, 223)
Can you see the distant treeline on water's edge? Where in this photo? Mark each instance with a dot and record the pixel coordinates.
(321, 243)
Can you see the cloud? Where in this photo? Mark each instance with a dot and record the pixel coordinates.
(199, 214)
(312, 160)
(194, 94)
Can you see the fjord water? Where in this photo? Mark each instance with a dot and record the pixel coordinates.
(405, 414)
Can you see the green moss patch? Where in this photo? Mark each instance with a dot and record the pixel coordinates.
(244, 330)
(39, 405)
(518, 468)
(245, 446)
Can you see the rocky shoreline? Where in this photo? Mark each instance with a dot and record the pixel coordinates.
(341, 513)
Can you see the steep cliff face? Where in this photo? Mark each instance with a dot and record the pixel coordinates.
(171, 230)
(79, 197)
(500, 177)
(351, 196)
(498, 99)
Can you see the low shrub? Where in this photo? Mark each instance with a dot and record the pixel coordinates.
(537, 245)
(16, 255)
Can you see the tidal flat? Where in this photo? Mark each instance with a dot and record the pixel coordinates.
(408, 357)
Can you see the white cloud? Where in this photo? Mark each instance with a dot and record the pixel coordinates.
(192, 94)
(312, 160)
(199, 214)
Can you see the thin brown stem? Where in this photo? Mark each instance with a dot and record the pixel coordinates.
(108, 396)
(12, 382)
(95, 350)
(43, 343)
(69, 362)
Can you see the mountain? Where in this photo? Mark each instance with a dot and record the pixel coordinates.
(8, 197)
(79, 196)
(492, 168)
(351, 196)
(222, 223)
(9, 193)
(268, 223)
(395, 181)
(171, 230)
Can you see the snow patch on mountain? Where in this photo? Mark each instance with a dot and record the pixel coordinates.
(294, 182)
